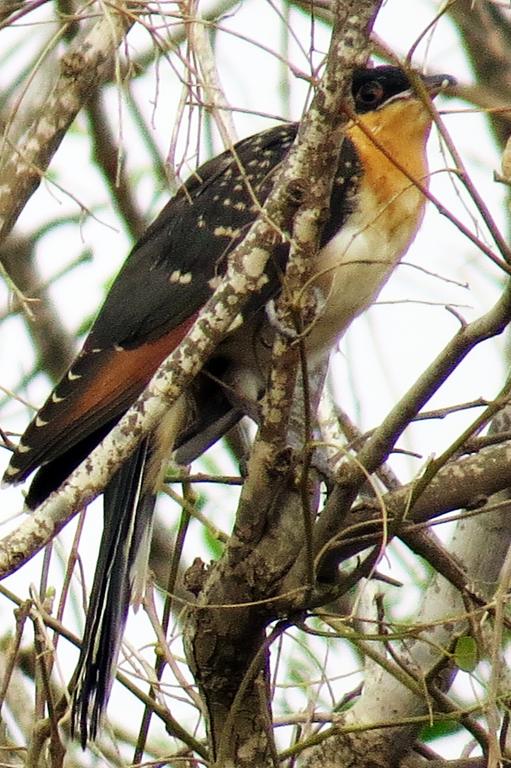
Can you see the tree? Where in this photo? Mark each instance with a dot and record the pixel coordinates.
(295, 591)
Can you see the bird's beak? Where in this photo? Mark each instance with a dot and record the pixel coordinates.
(437, 83)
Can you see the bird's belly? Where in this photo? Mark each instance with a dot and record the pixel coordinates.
(357, 262)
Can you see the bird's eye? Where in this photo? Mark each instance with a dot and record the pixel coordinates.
(369, 94)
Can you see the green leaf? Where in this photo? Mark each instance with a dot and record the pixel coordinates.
(439, 730)
(465, 653)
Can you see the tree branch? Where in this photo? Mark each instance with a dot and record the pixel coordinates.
(86, 63)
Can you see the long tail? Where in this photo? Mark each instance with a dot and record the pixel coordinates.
(127, 530)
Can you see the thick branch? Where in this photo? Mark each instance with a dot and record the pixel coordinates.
(82, 68)
(258, 552)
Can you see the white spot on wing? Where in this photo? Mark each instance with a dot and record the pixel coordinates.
(183, 278)
(226, 231)
(10, 471)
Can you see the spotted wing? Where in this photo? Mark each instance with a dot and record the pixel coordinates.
(153, 302)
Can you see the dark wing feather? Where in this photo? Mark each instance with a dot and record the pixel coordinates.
(152, 303)
(192, 238)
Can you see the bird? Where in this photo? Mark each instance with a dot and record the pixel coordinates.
(374, 213)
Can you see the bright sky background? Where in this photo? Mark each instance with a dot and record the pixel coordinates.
(383, 352)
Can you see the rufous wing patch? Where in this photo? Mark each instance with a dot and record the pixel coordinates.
(98, 388)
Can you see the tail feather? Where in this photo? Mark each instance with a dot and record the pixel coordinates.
(128, 519)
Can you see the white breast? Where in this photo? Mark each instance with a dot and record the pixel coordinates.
(355, 265)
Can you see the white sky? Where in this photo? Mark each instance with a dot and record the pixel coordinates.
(383, 353)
